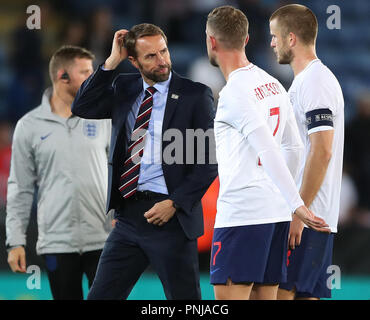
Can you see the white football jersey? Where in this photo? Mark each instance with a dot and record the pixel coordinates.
(250, 99)
(318, 105)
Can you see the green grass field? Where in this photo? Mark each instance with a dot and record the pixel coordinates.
(14, 287)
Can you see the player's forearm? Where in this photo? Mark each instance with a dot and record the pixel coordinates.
(314, 173)
(16, 226)
(273, 163)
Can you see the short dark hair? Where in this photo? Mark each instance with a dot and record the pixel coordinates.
(230, 25)
(299, 20)
(65, 56)
(139, 31)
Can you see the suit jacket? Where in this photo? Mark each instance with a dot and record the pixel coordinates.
(189, 106)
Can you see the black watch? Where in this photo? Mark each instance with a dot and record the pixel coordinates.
(175, 205)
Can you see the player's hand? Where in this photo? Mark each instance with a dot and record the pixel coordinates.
(295, 232)
(114, 221)
(310, 220)
(160, 213)
(119, 52)
(17, 259)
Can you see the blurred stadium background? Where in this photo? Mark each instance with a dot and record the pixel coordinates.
(24, 56)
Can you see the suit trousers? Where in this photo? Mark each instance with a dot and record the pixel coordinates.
(134, 244)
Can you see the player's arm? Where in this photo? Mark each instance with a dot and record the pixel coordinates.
(320, 130)
(316, 164)
(319, 109)
(21, 187)
(273, 163)
(293, 152)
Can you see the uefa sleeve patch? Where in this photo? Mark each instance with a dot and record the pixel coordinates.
(318, 118)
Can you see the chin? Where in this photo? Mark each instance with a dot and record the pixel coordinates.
(283, 61)
(163, 76)
(213, 61)
(285, 57)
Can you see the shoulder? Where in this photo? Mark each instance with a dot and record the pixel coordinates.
(29, 119)
(240, 87)
(317, 77)
(25, 127)
(319, 88)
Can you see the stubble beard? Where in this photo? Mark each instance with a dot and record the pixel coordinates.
(154, 76)
(285, 56)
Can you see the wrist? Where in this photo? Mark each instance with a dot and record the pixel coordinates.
(110, 64)
(175, 205)
(10, 248)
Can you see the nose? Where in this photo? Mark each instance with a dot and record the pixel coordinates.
(160, 59)
(272, 44)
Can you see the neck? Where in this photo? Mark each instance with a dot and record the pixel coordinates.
(60, 103)
(302, 58)
(151, 83)
(229, 61)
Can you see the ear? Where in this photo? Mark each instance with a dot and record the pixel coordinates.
(60, 76)
(246, 40)
(292, 38)
(213, 42)
(133, 61)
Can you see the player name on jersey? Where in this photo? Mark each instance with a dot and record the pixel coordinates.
(267, 90)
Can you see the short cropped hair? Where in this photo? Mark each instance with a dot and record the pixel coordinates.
(64, 56)
(299, 20)
(230, 26)
(139, 31)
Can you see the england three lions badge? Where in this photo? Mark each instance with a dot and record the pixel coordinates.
(90, 129)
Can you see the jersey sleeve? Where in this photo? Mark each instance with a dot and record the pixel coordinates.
(291, 143)
(317, 105)
(275, 166)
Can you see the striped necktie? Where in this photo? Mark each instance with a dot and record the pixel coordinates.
(131, 166)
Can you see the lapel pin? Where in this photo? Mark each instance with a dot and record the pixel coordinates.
(174, 96)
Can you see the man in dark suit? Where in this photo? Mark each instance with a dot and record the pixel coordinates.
(158, 172)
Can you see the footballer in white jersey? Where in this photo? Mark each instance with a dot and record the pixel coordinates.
(318, 105)
(254, 122)
(247, 194)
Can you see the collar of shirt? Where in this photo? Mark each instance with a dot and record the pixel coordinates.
(46, 113)
(159, 104)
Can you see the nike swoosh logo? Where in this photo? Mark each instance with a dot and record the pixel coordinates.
(213, 271)
(44, 137)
